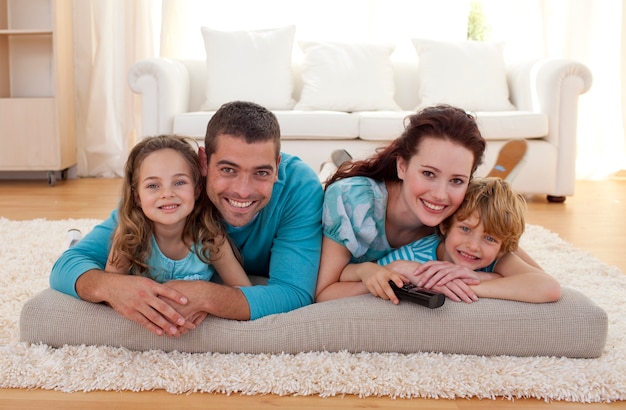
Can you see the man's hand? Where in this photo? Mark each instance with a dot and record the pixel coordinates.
(137, 298)
(209, 298)
(192, 310)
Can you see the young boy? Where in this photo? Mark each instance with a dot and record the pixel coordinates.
(477, 245)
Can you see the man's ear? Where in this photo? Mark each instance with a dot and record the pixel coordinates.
(203, 161)
(280, 157)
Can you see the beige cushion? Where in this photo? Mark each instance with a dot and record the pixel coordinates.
(572, 327)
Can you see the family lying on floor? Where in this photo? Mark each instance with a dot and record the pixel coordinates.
(410, 213)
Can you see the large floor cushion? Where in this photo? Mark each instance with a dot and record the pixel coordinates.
(572, 327)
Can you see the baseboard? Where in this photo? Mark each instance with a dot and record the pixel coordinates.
(72, 173)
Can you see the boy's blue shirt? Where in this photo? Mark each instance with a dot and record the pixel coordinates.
(283, 243)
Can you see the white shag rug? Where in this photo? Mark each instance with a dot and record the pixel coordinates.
(29, 248)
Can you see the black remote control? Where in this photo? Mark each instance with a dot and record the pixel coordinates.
(421, 296)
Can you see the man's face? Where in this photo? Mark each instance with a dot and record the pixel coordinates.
(240, 177)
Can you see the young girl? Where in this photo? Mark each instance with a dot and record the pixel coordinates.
(477, 244)
(396, 197)
(168, 230)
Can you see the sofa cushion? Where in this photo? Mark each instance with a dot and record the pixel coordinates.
(494, 125)
(346, 77)
(470, 75)
(294, 124)
(249, 65)
(298, 124)
(499, 125)
(372, 125)
(573, 327)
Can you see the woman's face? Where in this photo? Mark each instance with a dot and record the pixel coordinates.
(435, 179)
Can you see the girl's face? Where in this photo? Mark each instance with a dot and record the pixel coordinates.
(467, 244)
(435, 179)
(165, 188)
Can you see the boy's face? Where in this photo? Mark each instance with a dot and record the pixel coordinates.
(467, 244)
(241, 177)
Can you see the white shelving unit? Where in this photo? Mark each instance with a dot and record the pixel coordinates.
(37, 130)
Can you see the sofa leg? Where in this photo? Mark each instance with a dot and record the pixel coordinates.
(556, 199)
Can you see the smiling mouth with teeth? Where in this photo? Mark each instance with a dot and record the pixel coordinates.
(432, 206)
(168, 207)
(239, 204)
(468, 256)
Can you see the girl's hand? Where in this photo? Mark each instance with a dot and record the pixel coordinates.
(195, 319)
(439, 273)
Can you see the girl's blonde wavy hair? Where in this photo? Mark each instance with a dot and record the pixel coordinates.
(133, 240)
(501, 210)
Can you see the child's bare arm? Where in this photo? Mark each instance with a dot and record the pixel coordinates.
(519, 281)
(228, 267)
(116, 263)
(121, 266)
(438, 273)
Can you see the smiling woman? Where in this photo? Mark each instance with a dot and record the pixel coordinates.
(398, 195)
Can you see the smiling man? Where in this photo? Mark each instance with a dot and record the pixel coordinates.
(271, 206)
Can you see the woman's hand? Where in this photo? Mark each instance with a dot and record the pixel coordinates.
(195, 320)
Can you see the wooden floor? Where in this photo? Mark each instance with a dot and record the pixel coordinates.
(593, 219)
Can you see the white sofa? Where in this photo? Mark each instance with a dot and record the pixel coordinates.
(544, 92)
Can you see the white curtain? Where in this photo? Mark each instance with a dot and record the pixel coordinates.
(588, 31)
(111, 35)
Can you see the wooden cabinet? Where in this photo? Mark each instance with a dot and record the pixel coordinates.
(37, 131)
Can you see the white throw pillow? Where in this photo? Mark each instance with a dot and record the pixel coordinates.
(346, 77)
(470, 75)
(249, 65)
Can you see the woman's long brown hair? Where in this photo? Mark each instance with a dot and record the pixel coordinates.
(440, 121)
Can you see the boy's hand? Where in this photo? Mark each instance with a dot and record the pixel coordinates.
(457, 290)
(439, 273)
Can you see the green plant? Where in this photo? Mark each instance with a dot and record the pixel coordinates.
(477, 26)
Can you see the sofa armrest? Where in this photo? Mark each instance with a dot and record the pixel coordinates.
(552, 87)
(549, 86)
(163, 84)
